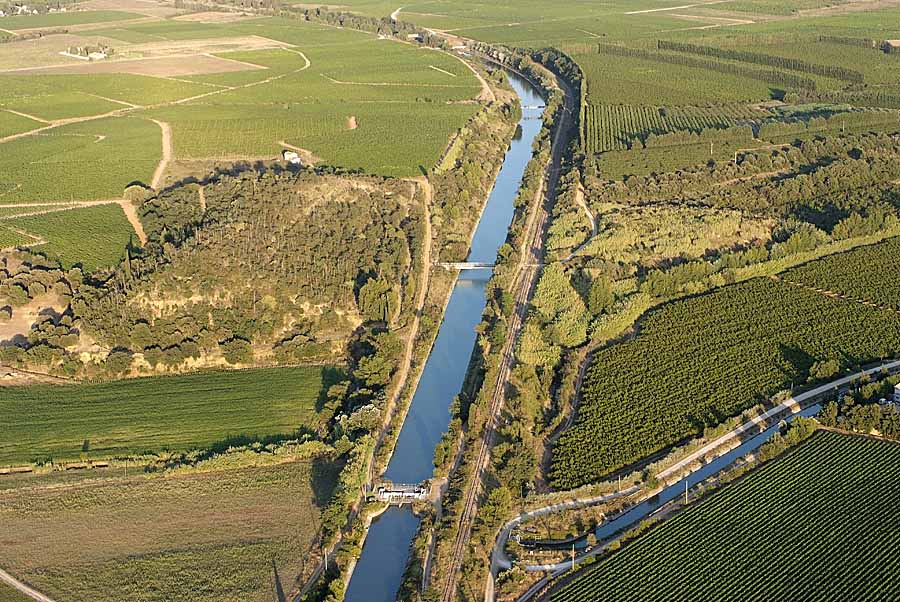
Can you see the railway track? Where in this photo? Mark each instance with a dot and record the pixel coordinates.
(526, 276)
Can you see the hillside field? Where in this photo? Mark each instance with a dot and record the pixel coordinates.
(149, 415)
(235, 535)
(772, 535)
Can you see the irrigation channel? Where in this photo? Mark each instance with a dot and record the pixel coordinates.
(377, 575)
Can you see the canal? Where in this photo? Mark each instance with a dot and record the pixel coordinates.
(385, 553)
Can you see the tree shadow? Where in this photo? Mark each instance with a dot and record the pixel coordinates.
(279, 589)
(325, 473)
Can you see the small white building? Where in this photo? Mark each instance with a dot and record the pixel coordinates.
(897, 394)
(96, 56)
(291, 157)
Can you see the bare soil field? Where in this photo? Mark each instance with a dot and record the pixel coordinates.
(144, 7)
(205, 46)
(171, 66)
(24, 316)
(215, 17)
(45, 51)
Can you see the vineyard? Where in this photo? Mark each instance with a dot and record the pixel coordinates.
(614, 127)
(757, 58)
(92, 237)
(10, 124)
(83, 161)
(771, 535)
(137, 416)
(698, 361)
(867, 273)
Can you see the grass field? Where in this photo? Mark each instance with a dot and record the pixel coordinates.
(698, 361)
(10, 124)
(152, 414)
(8, 594)
(62, 19)
(237, 535)
(772, 535)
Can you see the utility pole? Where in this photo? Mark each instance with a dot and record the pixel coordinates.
(573, 557)
(685, 492)
(325, 557)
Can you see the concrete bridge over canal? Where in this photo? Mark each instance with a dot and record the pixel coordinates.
(464, 265)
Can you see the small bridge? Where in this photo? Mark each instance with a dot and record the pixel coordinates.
(401, 493)
(464, 265)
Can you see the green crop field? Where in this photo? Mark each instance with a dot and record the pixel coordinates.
(92, 237)
(235, 535)
(63, 19)
(866, 273)
(83, 161)
(10, 238)
(8, 594)
(773, 535)
(10, 124)
(698, 361)
(151, 414)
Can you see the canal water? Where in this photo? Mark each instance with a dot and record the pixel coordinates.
(385, 553)
(648, 507)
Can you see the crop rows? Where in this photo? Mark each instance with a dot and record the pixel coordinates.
(769, 75)
(92, 237)
(149, 414)
(769, 60)
(771, 535)
(196, 537)
(615, 127)
(868, 273)
(698, 361)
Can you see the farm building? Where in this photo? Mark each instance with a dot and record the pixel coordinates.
(291, 157)
(891, 46)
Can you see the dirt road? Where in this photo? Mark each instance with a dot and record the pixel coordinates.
(22, 588)
(160, 171)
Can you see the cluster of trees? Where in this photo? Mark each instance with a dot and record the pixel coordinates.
(771, 76)
(769, 60)
(278, 267)
(862, 95)
(862, 410)
(822, 179)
